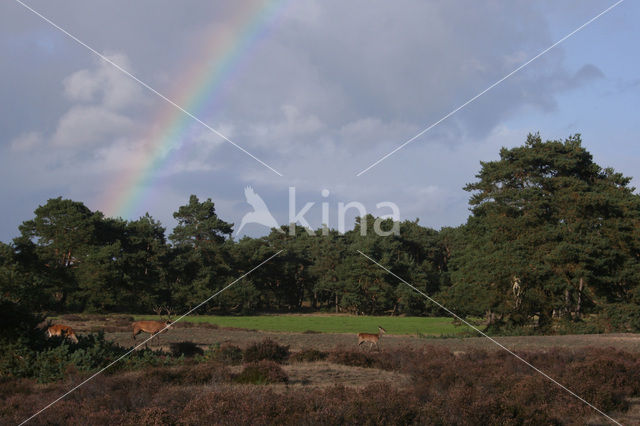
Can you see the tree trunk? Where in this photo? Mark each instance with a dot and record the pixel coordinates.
(579, 302)
(489, 316)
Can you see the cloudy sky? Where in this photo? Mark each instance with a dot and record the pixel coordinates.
(317, 90)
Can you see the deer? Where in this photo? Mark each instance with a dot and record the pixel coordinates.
(62, 331)
(373, 339)
(152, 327)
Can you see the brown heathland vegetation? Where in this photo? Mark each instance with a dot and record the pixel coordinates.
(443, 381)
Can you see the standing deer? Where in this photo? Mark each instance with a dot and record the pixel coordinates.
(62, 331)
(374, 339)
(152, 327)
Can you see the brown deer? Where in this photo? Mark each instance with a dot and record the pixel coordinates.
(152, 327)
(373, 339)
(62, 331)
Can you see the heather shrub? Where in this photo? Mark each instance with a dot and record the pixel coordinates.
(261, 373)
(229, 354)
(474, 387)
(377, 403)
(226, 354)
(309, 355)
(243, 406)
(205, 373)
(186, 349)
(351, 358)
(153, 416)
(194, 374)
(604, 377)
(358, 358)
(266, 350)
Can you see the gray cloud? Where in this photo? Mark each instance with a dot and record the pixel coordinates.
(328, 88)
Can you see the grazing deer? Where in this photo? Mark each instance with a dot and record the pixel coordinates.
(374, 339)
(152, 327)
(62, 331)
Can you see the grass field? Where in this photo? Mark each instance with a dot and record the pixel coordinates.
(332, 323)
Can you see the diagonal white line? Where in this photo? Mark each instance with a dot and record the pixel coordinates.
(422, 132)
(145, 85)
(495, 341)
(157, 334)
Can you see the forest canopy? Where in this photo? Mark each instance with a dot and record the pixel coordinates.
(551, 235)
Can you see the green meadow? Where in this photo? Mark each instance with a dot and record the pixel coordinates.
(433, 326)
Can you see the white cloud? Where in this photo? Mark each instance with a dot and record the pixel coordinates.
(83, 126)
(104, 84)
(104, 99)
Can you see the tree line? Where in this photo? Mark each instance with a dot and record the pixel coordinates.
(551, 235)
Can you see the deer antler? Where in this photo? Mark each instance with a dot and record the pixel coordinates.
(169, 312)
(158, 310)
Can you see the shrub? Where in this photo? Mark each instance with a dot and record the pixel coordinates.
(153, 416)
(51, 363)
(566, 326)
(309, 355)
(18, 325)
(475, 387)
(228, 354)
(205, 373)
(351, 358)
(266, 350)
(186, 349)
(92, 352)
(146, 358)
(197, 374)
(622, 317)
(357, 358)
(261, 373)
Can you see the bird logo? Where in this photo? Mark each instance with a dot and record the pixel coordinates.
(260, 214)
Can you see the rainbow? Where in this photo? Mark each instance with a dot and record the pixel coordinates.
(200, 86)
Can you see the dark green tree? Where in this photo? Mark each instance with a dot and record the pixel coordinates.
(199, 226)
(546, 215)
(199, 261)
(60, 237)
